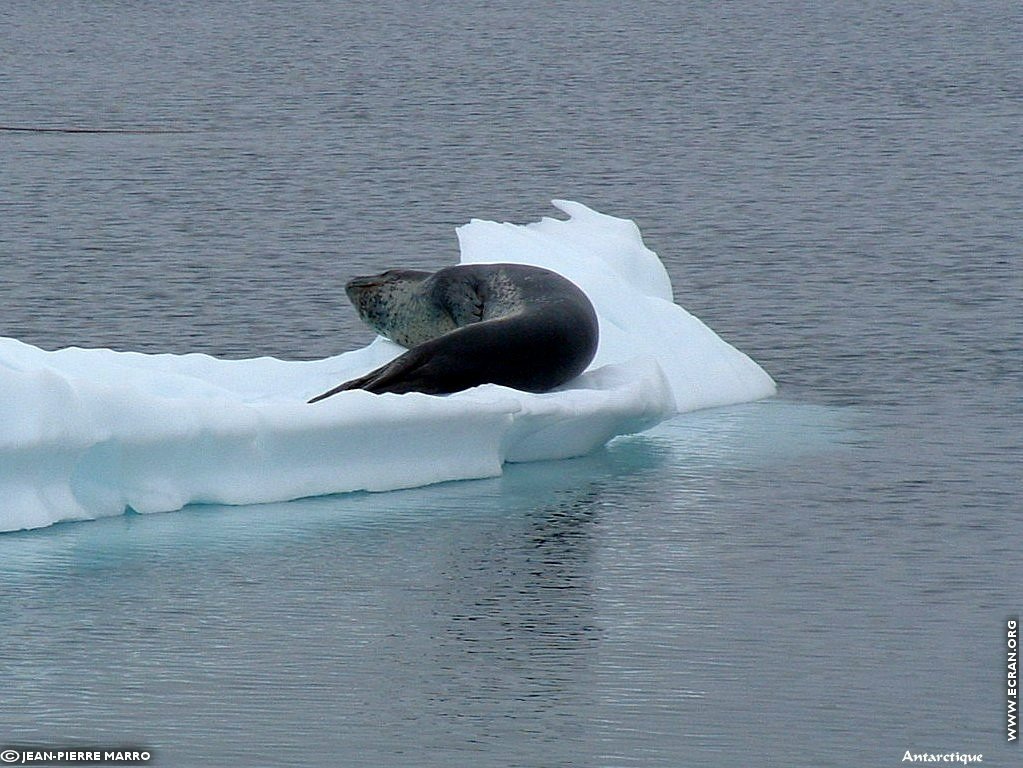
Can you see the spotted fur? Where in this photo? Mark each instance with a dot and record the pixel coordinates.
(511, 324)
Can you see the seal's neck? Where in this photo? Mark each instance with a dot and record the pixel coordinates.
(402, 311)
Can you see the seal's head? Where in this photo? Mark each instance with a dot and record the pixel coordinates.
(394, 305)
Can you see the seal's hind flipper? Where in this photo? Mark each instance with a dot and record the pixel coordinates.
(397, 376)
(431, 368)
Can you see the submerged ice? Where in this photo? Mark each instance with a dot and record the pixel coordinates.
(92, 432)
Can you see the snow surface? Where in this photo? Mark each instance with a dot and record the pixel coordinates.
(89, 433)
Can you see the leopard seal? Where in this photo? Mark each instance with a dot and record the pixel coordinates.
(511, 324)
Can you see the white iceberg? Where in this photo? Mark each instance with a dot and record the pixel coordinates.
(88, 433)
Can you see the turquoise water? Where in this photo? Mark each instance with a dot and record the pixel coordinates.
(819, 579)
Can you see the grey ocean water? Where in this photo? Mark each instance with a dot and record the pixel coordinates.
(818, 580)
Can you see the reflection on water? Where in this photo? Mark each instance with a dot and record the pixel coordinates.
(738, 436)
(611, 609)
(563, 606)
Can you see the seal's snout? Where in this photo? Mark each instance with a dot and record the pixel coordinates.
(400, 280)
(363, 282)
(357, 285)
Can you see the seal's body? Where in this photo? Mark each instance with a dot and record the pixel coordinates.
(519, 326)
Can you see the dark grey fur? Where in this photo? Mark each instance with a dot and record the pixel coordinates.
(511, 324)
